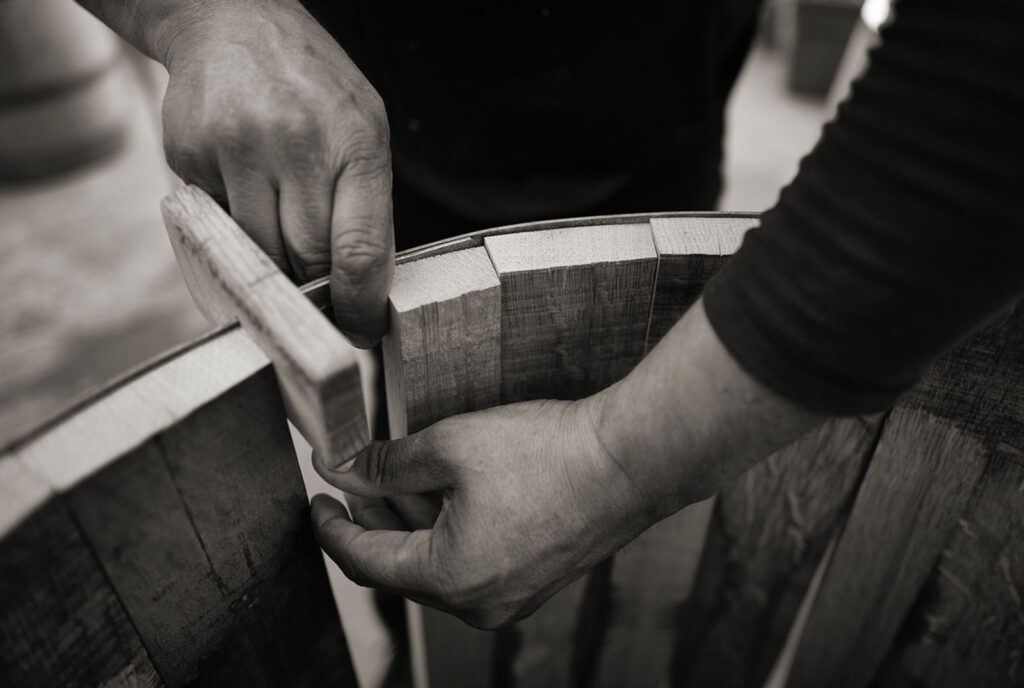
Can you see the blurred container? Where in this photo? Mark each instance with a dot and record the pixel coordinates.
(821, 31)
(865, 36)
(64, 85)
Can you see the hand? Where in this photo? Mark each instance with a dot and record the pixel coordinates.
(268, 114)
(531, 502)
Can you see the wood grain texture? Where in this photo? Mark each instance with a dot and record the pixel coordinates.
(575, 306)
(690, 251)
(651, 579)
(181, 488)
(204, 534)
(61, 623)
(442, 358)
(230, 279)
(925, 586)
(768, 533)
(128, 414)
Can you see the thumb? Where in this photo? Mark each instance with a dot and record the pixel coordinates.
(385, 469)
(362, 249)
(390, 559)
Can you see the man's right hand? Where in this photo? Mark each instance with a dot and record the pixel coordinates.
(269, 115)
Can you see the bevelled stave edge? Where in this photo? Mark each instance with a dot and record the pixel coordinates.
(230, 278)
(575, 307)
(442, 355)
(690, 251)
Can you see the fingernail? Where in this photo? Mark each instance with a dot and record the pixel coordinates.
(324, 508)
(339, 467)
(345, 466)
(361, 342)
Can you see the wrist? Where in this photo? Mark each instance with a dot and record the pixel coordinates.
(688, 420)
(186, 27)
(656, 473)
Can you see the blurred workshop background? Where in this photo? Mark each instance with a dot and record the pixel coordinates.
(88, 281)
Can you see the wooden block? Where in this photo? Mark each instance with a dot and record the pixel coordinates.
(924, 586)
(575, 307)
(690, 251)
(651, 578)
(61, 623)
(442, 358)
(768, 533)
(230, 279)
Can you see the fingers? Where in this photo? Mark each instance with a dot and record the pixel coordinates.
(252, 202)
(362, 246)
(384, 469)
(417, 510)
(306, 197)
(374, 513)
(390, 559)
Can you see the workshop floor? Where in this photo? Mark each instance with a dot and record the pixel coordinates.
(90, 287)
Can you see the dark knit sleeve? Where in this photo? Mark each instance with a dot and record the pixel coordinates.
(904, 228)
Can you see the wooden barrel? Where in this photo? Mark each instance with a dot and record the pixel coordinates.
(63, 89)
(157, 530)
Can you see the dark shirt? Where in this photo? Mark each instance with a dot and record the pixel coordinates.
(564, 99)
(905, 226)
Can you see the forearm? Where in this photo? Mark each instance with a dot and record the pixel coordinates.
(154, 27)
(689, 419)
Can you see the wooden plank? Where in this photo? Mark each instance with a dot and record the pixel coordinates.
(236, 474)
(922, 587)
(134, 520)
(690, 251)
(441, 358)
(575, 307)
(966, 626)
(204, 535)
(183, 479)
(61, 622)
(128, 415)
(768, 533)
(651, 578)
(230, 279)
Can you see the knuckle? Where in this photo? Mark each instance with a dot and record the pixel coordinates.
(378, 465)
(299, 135)
(365, 150)
(232, 130)
(486, 617)
(359, 251)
